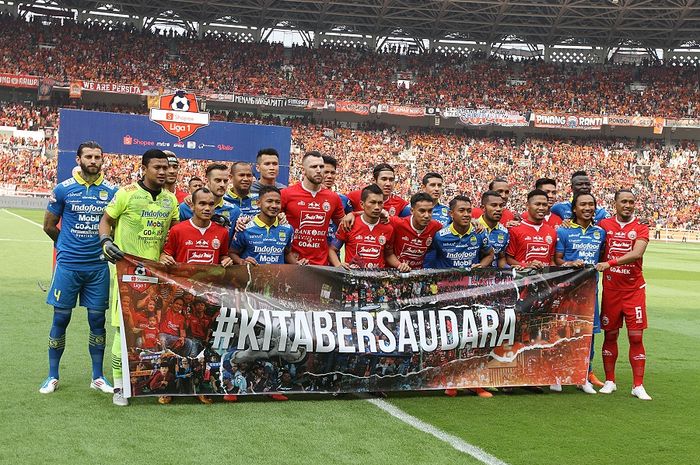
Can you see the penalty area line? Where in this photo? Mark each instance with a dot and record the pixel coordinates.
(455, 442)
(23, 218)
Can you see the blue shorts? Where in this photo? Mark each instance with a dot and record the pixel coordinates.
(92, 287)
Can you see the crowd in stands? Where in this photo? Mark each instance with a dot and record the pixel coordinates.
(217, 63)
(664, 176)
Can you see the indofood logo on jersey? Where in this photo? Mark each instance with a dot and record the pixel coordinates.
(179, 114)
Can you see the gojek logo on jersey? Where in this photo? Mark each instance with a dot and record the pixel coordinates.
(178, 114)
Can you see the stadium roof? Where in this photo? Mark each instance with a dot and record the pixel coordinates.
(645, 23)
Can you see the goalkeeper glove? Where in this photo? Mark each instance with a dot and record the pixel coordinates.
(110, 251)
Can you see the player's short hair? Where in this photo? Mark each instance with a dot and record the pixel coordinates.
(371, 189)
(267, 189)
(459, 198)
(152, 154)
(328, 160)
(236, 164)
(312, 153)
(215, 166)
(194, 178)
(535, 193)
(420, 197)
(201, 190)
(267, 151)
(381, 167)
(544, 182)
(576, 174)
(429, 176)
(575, 199)
(491, 184)
(624, 191)
(489, 193)
(88, 144)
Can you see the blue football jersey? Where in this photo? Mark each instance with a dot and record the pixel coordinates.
(577, 243)
(266, 244)
(80, 206)
(498, 239)
(453, 250)
(563, 210)
(248, 205)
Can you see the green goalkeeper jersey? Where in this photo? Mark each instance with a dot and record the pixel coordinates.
(142, 223)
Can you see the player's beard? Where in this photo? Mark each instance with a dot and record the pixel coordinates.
(90, 170)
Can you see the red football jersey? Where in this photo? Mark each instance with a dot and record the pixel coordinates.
(198, 326)
(410, 246)
(310, 214)
(172, 323)
(506, 216)
(181, 195)
(529, 242)
(551, 219)
(394, 204)
(149, 336)
(620, 240)
(366, 244)
(187, 243)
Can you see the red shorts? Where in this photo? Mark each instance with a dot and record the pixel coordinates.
(618, 304)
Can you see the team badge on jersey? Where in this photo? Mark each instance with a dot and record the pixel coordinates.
(472, 240)
(632, 235)
(166, 203)
(501, 237)
(103, 195)
(326, 206)
(596, 235)
(382, 240)
(548, 239)
(428, 241)
(283, 236)
(392, 211)
(216, 244)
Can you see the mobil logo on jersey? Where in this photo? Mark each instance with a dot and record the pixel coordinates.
(178, 114)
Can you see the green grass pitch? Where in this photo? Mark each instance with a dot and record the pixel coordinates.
(76, 425)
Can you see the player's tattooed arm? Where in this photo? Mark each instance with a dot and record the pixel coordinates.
(51, 225)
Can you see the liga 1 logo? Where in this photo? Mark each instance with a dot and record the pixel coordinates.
(179, 114)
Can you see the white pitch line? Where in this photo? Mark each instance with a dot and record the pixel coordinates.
(456, 443)
(23, 218)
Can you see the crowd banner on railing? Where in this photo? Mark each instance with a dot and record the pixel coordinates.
(588, 123)
(19, 81)
(401, 110)
(113, 88)
(352, 107)
(486, 117)
(204, 329)
(692, 123)
(636, 121)
(316, 104)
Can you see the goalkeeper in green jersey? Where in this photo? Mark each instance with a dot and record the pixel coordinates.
(139, 216)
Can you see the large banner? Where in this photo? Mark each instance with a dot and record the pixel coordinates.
(636, 121)
(352, 107)
(202, 329)
(587, 123)
(126, 134)
(486, 117)
(19, 80)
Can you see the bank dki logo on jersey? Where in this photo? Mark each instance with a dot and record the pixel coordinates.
(179, 114)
